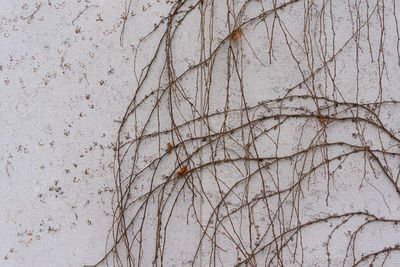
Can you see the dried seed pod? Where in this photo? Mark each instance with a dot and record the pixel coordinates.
(169, 147)
(321, 120)
(236, 34)
(183, 171)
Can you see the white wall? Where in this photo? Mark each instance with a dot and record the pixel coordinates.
(66, 81)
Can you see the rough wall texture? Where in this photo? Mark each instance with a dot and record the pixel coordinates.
(66, 83)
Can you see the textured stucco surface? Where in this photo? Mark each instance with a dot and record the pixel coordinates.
(65, 82)
(63, 85)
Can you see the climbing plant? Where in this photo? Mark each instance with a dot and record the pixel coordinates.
(254, 132)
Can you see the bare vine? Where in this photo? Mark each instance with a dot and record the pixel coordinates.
(199, 157)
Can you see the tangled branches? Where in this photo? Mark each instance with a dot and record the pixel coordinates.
(254, 133)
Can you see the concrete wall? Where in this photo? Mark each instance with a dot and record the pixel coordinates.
(66, 82)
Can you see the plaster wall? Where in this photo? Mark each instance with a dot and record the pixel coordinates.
(65, 83)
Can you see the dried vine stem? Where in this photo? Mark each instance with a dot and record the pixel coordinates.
(215, 176)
